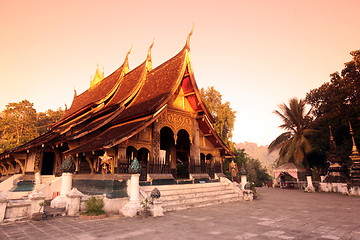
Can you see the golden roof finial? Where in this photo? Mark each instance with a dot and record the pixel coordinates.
(126, 62)
(354, 148)
(148, 59)
(151, 46)
(188, 37)
(331, 135)
(97, 77)
(75, 94)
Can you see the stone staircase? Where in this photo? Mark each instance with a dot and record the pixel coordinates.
(45, 180)
(183, 196)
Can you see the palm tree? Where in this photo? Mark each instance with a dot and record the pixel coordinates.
(293, 144)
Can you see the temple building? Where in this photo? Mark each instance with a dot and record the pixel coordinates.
(153, 114)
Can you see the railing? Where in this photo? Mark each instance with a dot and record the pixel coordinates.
(206, 168)
(123, 167)
(159, 166)
(218, 168)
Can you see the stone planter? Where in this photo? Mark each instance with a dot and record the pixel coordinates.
(145, 214)
(37, 216)
(92, 217)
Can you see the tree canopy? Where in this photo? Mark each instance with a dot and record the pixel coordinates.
(19, 123)
(256, 173)
(336, 103)
(222, 113)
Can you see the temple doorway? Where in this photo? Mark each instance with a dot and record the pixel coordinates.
(167, 142)
(143, 157)
(47, 167)
(84, 167)
(182, 154)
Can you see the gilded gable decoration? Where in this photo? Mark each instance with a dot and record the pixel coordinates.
(176, 122)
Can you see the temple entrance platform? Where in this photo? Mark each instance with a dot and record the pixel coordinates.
(276, 214)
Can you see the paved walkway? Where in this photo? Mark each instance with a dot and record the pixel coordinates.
(277, 214)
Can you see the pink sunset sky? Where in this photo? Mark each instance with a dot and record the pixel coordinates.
(258, 54)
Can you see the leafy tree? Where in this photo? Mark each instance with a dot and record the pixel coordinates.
(293, 145)
(335, 103)
(222, 113)
(17, 124)
(256, 173)
(46, 119)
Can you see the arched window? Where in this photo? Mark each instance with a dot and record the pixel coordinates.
(143, 155)
(131, 153)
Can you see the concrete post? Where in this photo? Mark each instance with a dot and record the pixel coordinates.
(133, 206)
(309, 181)
(243, 181)
(73, 202)
(322, 178)
(37, 179)
(134, 187)
(66, 185)
(36, 198)
(310, 187)
(3, 202)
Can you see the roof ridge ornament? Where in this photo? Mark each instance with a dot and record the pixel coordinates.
(331, 135)
(148, 58)
(354, 148)
(126, 61)
(332, 141)
(98, 77)
(187, 46)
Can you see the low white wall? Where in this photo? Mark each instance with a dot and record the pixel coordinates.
(17, 210)
(339, 188)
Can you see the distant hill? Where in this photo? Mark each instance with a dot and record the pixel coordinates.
(259, 152)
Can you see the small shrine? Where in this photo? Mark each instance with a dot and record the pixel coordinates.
(355, 166)
(336, 171)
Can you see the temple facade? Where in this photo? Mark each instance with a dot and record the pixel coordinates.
(153, 114)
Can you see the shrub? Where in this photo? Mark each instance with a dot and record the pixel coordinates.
(94, 207)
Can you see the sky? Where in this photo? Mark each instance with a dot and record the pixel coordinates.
(257, 54)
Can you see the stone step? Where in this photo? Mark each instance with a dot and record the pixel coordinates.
(176, 197)
(201, 203)
(186, 188)
(47, 178)
(196, 194)
(195, 200)
(171, 192)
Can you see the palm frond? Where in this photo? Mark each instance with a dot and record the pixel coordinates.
(279, 141)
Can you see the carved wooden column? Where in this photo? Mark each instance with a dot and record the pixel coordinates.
(156, 141)
(195, 144)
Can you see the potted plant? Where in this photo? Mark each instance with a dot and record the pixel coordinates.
(39, 215)
(94, 209)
